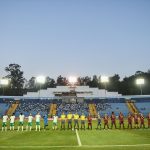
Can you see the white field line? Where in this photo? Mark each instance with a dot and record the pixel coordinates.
(71, 146)
(123, 145)
(39, 146)
(78, 138)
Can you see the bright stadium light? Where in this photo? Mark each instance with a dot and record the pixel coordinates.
(72, 80)
(4, 82)
(40, 79)
(105, 80)
(140, 82)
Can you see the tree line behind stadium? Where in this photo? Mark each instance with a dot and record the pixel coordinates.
(19, 85)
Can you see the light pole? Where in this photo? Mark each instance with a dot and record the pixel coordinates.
(3, 83)
(40, 80)
(105, 80)
(140, 82)
(72, 82)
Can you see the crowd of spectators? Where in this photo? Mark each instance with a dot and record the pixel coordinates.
(102, 106)
(44, 107)
(72, 107)
(32, 106)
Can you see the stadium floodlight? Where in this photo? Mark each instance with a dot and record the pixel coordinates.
(105, 80)
(4, 82)
(72, 80)
(140, 82)
(40, 79)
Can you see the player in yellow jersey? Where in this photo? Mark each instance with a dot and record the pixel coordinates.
(63, 120)
(82, 118)
(76, 123)
(69, 118)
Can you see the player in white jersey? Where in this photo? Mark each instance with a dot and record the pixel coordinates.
(12, 121)
(4, 124)
(38, 118)
(30, 118)
(21, 121)
(55, 120)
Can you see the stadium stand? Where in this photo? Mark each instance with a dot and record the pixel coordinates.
(73, 108)
(81, 91)
(142, 104)
(4, 105)
(132, 107)
(33, 106)
(55, 105)
(143, 108)
(53, 109)
(3, 108)
(12, 108)
(92, 110)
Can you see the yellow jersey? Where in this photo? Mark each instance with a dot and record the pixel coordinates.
(82, 117)
(63, 117)
(69, 116)
(76, 116)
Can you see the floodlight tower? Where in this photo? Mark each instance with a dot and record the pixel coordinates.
(105, 80)
(3, 83)
(140, 82)
(40, 80)
(72, 82)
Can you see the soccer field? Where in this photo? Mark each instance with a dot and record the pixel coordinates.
(136, 139)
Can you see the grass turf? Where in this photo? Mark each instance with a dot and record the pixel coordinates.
(90, 139)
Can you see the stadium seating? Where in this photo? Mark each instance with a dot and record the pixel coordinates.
(143, 108)
(81, 91)
(3, 108)
(109, 107)
(94, 106)
(33, 106)
(73, 108)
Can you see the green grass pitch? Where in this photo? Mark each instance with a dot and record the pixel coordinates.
(112, 139)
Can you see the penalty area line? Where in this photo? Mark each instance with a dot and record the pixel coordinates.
(78, 138)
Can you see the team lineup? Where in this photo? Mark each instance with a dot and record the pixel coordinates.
(72, 121)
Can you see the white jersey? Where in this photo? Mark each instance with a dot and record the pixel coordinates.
(55, 118)
(5, 118)
(30, 119)
(12, 119)
(37, 118)
(21, 118)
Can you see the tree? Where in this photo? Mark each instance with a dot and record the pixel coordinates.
(15, 75)
(86, 80)
(31, 83)
(94, 82)
(49, 83)
(61, 81)
(114, 83)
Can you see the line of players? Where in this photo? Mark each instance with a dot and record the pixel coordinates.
(21, 122)
(136, 121)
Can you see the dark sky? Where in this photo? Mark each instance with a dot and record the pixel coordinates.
(80, 37)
